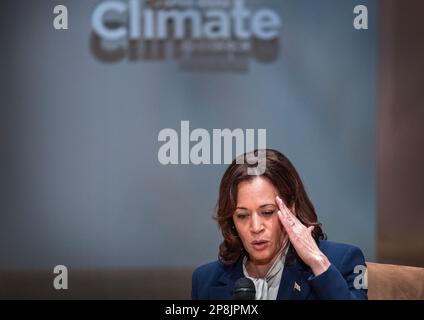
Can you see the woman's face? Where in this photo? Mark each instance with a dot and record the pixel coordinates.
(256, 220)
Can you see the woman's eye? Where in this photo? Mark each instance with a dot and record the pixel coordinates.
(268, 213)
(241, 215)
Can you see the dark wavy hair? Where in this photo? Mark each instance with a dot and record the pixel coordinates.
(283, 176)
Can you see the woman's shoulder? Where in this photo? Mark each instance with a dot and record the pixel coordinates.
(205, 275)
(212, 274)
(210, 269)
(336, 246)
(340, 253)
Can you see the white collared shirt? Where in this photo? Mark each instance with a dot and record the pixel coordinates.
(267, 287)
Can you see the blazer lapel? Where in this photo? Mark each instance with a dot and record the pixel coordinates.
(293, 285)
(287, 282)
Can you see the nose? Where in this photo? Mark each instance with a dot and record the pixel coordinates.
(256, 225)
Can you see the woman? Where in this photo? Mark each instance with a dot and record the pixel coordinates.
(272, 236)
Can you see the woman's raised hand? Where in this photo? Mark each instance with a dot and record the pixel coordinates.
(301, 238)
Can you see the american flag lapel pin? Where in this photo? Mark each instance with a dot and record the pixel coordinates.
(296, 286)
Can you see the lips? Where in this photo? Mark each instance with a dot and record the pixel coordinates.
(259, 241)
(259, 244)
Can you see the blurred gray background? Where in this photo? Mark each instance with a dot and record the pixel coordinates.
(81, 184)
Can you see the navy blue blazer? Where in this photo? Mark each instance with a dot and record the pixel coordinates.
(216, 281)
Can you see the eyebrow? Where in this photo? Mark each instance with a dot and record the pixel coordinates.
(264, 205)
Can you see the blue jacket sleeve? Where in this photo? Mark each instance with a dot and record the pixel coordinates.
(339, 283)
